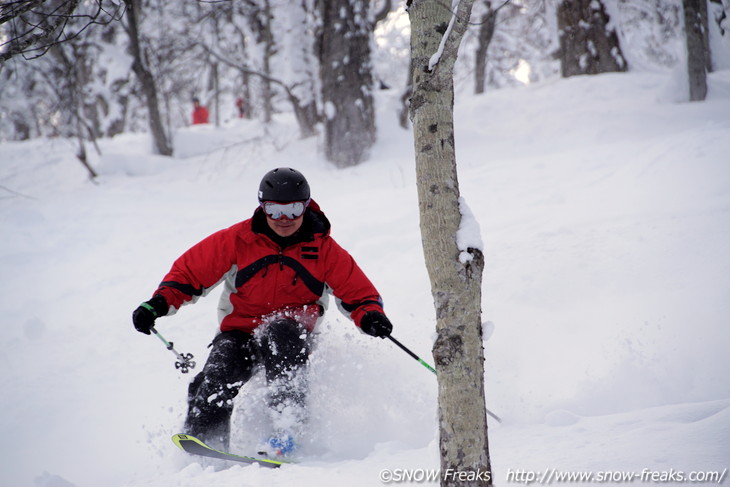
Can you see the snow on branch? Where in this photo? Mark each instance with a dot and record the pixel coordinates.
(437, 55)
(449, 45)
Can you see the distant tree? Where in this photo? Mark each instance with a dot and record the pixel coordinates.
(455, 273)
(485, 29)
(31, 27)
(262, 49)
(487, 23)
(720, 10)
(346, 78)
(519, 46)
(77, 106)
(283, 62)
(70, 88)
(718, 13)
(588, 45)
(698, 47)
(140, 66)
(298, 46)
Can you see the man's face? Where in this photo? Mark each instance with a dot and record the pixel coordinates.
(285, 227)
(284, 218)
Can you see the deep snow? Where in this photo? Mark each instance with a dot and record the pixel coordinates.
(604, 208)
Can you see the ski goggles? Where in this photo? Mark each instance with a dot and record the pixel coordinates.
(277, 211)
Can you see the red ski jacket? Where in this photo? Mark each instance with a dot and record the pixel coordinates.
(266, 277)
(200, 115)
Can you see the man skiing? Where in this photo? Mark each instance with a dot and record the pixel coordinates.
(276, 268)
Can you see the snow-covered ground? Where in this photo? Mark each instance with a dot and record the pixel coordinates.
(604, 207)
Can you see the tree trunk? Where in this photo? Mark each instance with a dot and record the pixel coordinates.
(455, 273)
(307, 117)
(149, 88)
(587, 45)
(268, 39)
(698, 55)
(346, 79)
(303, 84)
(717, 13)
(405, 99)
(486, 32)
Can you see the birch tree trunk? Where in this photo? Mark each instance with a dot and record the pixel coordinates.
(455, 273)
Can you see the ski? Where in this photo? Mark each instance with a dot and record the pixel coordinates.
(194, 446)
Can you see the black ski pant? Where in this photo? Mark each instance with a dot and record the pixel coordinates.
(282, 349)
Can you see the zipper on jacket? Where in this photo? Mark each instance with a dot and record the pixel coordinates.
(281, 259)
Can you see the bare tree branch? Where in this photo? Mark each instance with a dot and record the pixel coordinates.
(33, 30)
(8, 11)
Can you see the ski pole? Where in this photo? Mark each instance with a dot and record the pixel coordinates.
(184, 362)
(423, 362)
(416, 357)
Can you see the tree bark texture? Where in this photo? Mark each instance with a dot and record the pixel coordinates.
(455, 286)
(695, 26)
(347, 82)
(587, 45)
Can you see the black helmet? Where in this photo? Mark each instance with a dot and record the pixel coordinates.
(283, 184)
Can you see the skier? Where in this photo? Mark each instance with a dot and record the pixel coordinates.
(277, 268)
(200, 112)
(241, 107)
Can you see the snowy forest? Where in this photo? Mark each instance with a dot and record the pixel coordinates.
(95, 69)
(594, 198)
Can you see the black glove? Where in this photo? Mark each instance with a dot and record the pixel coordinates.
(144, 316)
(376, 324)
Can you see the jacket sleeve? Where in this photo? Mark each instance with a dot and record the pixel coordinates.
(199, 269)
(349, 283)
